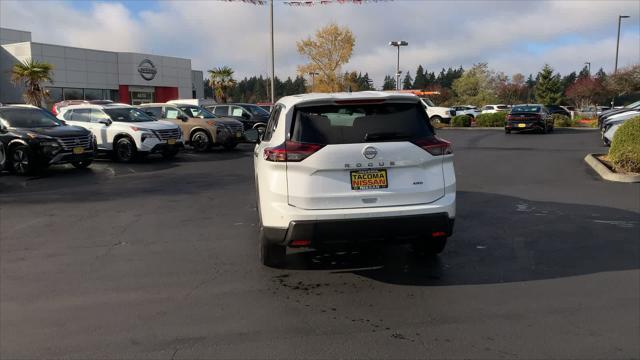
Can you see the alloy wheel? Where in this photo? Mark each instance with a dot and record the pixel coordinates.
(20, 161)
(200, 141)
(124, 150)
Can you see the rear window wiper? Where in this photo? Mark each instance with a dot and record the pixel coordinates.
(384, 136)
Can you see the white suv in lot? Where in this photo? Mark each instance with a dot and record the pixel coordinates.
(346, 169)
(125, 131)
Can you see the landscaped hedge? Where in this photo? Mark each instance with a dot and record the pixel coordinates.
(491, 120)
(625, 147)
(560, 120)
(461, 121)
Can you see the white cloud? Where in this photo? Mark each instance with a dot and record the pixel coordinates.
(516, 36)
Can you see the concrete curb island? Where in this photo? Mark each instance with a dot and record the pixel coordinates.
(607, 174)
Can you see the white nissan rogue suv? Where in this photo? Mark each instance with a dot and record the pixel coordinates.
(345, 169)
(125, 131)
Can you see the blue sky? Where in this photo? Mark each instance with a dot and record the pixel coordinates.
(511, 36)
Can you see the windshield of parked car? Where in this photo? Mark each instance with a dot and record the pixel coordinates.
(128, 115)
(633, 105)
(28, 118)
(257, 110)
(349, 124)
(502, 107)
(428, 102)
(525, 108)
(196, 111)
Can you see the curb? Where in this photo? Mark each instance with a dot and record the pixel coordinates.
(607, 174)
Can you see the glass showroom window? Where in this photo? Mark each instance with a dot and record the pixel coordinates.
(73, 94)
(93, 94)
(55, 95)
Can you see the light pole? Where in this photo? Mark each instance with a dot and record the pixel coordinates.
(273, 58)
(615, 67)
(589, 67)
(398, 44)
(313, 80)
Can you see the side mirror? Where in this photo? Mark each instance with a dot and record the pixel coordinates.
(183, 118)
(62, 122)
(105, 122)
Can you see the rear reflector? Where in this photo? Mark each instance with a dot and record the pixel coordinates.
(291, 151)
(300, 243)
(434, 146)
(438, 234)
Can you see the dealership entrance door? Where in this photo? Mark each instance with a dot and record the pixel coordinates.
(141, 94)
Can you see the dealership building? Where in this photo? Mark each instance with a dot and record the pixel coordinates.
(90, 74)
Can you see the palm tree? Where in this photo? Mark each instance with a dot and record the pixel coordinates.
(222, 81)
(33, 73)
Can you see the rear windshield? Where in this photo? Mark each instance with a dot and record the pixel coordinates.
(528, 109)
(28, 118)
(502, 107)
(128, 115)
(349, 124)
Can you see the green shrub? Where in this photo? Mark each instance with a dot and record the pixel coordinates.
(491, 120)
(560, 120)
(625, 147)
(461, 121)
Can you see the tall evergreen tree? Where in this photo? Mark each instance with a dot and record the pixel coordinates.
(420, 82)
(389, 83)
(584, 73)
(548, 86)
(407, 83)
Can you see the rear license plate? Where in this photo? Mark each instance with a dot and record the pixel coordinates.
(369, 179)
(78, 150)
(171, 141)
(522, 125)
(238, 134)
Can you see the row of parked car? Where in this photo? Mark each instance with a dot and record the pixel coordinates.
(609, 121)
(32, 138)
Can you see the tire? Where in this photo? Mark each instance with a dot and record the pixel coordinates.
(200, 141)
(261, 129)
(230, 146)
(124, 150)
(507, 131)
(81, 164)
(436, 120)
(170, 153)
(429, 246)
(22, 160)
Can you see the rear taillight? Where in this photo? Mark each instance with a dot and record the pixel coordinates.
(434, 146)
(290, 151)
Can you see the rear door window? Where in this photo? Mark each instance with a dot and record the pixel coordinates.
(83, 115)
(222, 110)
(349, 124)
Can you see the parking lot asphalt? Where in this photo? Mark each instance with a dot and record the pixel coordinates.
(159, 260)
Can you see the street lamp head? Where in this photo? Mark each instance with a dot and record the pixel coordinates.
(398, 43)
(623, 16)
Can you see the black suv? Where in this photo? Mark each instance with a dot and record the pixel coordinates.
(252, 116)
(31, 139)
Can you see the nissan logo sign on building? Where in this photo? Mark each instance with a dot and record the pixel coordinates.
(147, 69)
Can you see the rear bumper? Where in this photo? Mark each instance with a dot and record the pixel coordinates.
(355, 232)
(531, 125)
